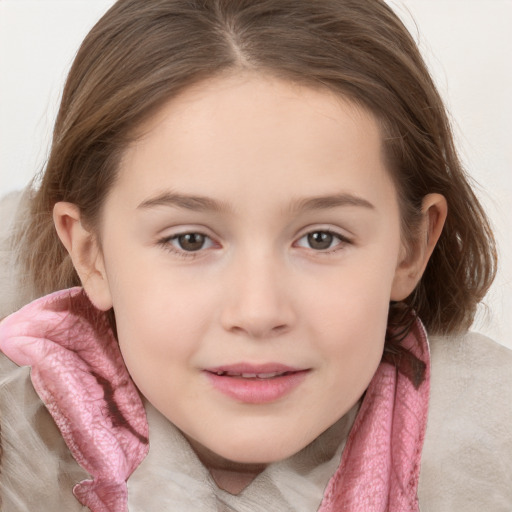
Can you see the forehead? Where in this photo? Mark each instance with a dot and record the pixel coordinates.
(264, 132)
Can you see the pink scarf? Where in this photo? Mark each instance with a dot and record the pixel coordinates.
(78, 372)
(380, 465)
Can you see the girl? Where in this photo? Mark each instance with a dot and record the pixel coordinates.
(249, 209)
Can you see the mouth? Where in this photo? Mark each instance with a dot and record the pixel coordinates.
(256, 384)
(270, 375)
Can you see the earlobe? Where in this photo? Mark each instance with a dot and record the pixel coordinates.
(413, 262)
(85, 253)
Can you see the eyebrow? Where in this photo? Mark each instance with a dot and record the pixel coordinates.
(207, 204)
(331, 201)
(196, 203)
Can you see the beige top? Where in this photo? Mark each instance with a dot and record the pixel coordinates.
(466, 463)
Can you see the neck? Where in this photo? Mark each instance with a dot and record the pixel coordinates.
(228, 475)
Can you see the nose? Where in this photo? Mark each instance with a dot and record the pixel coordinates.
(258, 298)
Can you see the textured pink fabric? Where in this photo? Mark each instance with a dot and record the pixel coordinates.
(78, 372)
(380, 465)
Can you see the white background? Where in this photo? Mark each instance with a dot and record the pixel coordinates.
(467, 44)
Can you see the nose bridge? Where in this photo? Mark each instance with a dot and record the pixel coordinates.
(258, 298)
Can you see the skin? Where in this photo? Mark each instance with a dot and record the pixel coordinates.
(261, 151)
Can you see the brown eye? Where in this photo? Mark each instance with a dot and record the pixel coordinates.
(320, 240)
(191, 241)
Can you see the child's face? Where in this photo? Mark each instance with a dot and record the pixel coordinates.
(253, 229)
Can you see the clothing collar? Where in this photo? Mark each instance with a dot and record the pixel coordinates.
(78, 372)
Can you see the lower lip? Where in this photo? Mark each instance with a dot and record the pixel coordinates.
(257, 391)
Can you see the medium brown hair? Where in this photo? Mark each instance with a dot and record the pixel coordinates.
(142, 53)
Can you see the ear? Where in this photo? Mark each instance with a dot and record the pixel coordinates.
(414, 259)
(83, 248)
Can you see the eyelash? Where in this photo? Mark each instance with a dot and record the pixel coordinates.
(166, 243)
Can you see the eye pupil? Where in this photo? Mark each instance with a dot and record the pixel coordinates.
(191, 241)
(320, 240)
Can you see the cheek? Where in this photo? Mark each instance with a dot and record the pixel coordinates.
(357, 334)
(159, 336)
(354, 299)
(152, 301)
(351, 315)
(160, 322)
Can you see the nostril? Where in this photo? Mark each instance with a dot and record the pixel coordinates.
(279, 329)
(254, 331)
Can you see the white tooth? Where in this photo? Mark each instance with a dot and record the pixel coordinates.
(249, 375)
(220, 373)
(267, 375)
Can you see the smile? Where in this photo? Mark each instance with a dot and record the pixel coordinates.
(256, 384)
(252, 375)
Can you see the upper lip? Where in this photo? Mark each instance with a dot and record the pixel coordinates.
(254, 369)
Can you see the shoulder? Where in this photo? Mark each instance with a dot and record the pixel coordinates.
(13, 212)
(37, 471)
(467, 456)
